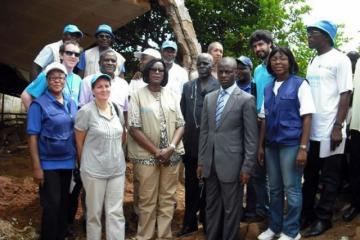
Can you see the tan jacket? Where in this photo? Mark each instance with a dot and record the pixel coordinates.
(144, 102)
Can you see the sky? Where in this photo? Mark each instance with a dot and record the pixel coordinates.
(340, 12)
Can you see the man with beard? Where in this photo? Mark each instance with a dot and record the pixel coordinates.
(177, 75)
(191, 105)
(227, 152)
(330, 77)
(89, 60)
(261, 43)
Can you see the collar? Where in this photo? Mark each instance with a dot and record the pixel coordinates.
(245, 87)
(230, 89)
(53, 99)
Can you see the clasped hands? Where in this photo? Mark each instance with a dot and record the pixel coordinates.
(163, 155)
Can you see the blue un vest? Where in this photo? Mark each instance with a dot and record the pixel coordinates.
(282, 113)
(56, 138)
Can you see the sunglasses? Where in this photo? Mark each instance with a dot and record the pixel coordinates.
(155, 70)
(70, 53)
(106, 36)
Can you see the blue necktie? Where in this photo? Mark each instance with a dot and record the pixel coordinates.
(219, 107)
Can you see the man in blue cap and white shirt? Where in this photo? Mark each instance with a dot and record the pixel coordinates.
(89, 60)
(330, 77)
(177, 74)
(50, 53)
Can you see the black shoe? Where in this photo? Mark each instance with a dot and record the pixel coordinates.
(305, 222)
(350, 213)
(186, 231)
(317, 228)
(253, 219)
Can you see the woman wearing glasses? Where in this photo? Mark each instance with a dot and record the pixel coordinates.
(155, 147)
(69, 56)
(50, 126)
(285, 130)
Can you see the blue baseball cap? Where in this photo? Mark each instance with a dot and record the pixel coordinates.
(70, 28)
(97, 76)
(105, 29)
(327, 27)
(245, 60)
(169, 44)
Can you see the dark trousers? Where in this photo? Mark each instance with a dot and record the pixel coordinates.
(74, 202)
(54, 198)
(223, 208)
(330, 180)
(193, 202)
(257, 197)
(354, 168)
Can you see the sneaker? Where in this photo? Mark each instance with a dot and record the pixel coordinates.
(286, 237)
(267, 235)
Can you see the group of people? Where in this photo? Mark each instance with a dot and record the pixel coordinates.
(276, 133)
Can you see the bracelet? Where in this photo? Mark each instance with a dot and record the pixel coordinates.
(303, 147)
(172, 146)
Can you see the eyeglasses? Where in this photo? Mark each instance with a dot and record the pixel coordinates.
(70, 53)
(157, 70)
(53, 79)
(106, 36)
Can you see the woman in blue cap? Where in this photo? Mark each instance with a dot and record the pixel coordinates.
(98, 132)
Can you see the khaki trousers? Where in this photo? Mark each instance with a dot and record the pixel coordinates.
(156, 199)
(109, 193)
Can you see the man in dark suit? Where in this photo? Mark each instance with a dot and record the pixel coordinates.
(227, 152)
(191, 104)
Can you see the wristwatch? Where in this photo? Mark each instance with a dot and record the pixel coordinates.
(339, 125)
(303, 147)
(172, 146)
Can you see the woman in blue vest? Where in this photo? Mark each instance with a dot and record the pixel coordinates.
(286, 119)
(50, 125)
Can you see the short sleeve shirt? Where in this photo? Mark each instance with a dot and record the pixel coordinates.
(261, 78)
(119, 92)
(34, 126)
(102, 155)
(72, 86)
(329, 75)
(46, 55)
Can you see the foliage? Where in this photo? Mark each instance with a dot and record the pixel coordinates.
(230, 22)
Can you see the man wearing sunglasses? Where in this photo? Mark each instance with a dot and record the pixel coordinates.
(69, 54)
(89, 60)
(50, 53)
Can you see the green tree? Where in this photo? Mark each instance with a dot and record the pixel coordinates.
(230, 22)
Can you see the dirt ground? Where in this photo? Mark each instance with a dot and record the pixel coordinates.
(20, 208)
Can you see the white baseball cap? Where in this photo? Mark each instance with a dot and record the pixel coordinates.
(55, 65)
(149, 51)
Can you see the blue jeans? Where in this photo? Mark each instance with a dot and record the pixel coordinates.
(284, 180)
